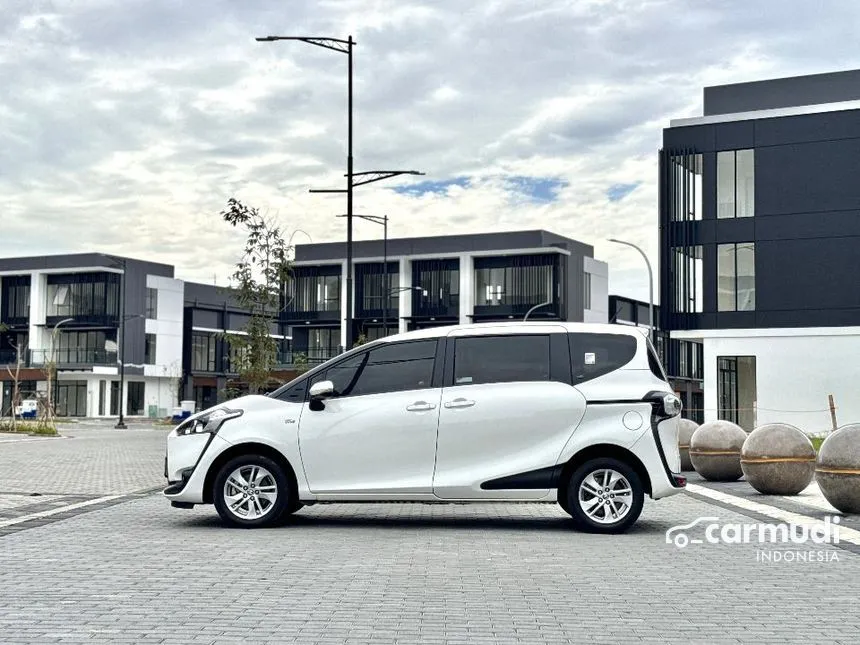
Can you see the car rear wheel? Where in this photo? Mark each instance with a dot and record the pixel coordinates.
(605, 495)
(252, 491)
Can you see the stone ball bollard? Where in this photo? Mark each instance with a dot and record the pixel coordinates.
(686, 428)
(838, 469)
(715, 450)
(778, 459)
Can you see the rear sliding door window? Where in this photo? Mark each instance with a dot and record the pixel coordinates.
(594, 355)
(501, 359)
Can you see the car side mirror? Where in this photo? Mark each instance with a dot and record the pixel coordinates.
(321, 390)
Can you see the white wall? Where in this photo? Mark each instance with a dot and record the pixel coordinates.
(795, 371)
(599, 311)
(167, 327)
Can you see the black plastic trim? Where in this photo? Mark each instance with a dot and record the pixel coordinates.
(656, 400)
(548, 477)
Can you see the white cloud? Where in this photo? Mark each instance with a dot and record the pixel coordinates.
(124, 127)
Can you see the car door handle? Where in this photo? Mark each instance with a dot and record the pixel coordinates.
(460, 403)
(421, 406)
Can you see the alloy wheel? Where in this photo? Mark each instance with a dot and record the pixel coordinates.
(605, 496)
(250, 492)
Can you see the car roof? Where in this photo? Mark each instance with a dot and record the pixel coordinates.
(583, 328)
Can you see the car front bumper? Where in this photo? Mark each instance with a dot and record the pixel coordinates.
(187, 462)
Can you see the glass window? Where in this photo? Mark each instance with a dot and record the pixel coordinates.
(687, 279)
(726, 184)
(745, 173)
(394, 367)
(516, 280)
(736, 390)
(151, 303)
(736, 277)
(135, 398)
(686, 187)
(586, 291)
(149, 350)
(746, 276)
(202, 352)
(501, 359)
(82, 295)
(295, 393)
(735, 183)
(726, 277)
(598, 354)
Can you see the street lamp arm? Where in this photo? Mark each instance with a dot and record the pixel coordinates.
(652, 324)
(371, 176)
(335, 44)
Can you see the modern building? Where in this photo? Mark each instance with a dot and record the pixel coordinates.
(759, 231)
(682, 359)
(413, 283)
(212, 314)
(68, 310)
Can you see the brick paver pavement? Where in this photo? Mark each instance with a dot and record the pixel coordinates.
(141, 572)
(92, 458)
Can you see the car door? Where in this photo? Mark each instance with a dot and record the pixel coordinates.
(508, 409)
(377, 433)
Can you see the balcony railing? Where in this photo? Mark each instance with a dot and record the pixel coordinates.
(73, 356)
(311, 356)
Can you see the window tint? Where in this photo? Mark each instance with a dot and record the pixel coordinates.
(393, 367)
(294, 393)
(654, 363)
(598, 354)
(501, 359)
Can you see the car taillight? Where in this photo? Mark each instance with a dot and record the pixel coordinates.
(680, 481)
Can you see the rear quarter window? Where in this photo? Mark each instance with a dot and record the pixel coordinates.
(594, 355)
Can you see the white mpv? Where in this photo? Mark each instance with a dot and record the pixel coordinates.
(575, 413)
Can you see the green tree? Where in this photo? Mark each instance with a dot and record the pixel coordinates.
(258, 281)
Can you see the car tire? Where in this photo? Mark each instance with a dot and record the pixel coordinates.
(605, 495)
(252, 491)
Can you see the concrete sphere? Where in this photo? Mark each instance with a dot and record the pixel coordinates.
(715, 450)
(686, 428)
(838, 468)
(778, 459)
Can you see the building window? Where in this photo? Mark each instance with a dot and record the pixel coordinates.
(314, 293)
(149, 350)
(115, 396)
(202, 352)
(586, 291)
(685, 179)
(735, 183)
(151, 303)
(135, 399)
(71, 398)
(15, 299)
(82, 347)
(517, 281)
(82, 296)
(736, 390)
(374, 292)
(323, 344)
(687, 281)
(439, 284)
(736, 277)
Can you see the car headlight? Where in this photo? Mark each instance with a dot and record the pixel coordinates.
(209, 422)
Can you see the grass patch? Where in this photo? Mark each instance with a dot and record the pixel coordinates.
(37, 427)
(816, 443)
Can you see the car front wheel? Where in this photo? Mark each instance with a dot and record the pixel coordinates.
(251, 491)
(605, 496)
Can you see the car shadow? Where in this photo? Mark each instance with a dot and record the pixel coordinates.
(449, 521)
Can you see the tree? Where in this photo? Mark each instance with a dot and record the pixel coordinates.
(259, 279)
(15, 376)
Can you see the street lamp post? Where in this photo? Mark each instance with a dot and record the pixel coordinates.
(650, 286)
(345, 47)
(120, 424)
(384, 221)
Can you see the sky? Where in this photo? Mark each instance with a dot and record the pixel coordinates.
(125, 126)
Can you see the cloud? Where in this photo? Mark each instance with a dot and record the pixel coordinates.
(124, 127)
